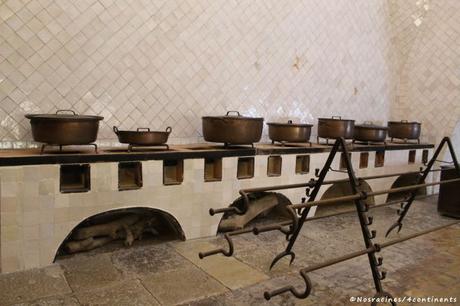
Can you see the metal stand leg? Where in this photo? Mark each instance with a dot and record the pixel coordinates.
(313, 194)
(421, 179)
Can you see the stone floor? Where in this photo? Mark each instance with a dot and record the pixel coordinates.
(171, 273)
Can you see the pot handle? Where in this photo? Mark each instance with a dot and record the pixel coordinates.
(289, 121)
(233, 112)
(168, 129)
(143, 129)
(66, 110)
(337, 117)
(115, 129)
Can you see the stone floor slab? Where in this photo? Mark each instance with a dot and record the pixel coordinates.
(227, 270)
(31, 285)
(65, 300)
(182, 285)
(89, 272)
(148, 259)
(130, 292)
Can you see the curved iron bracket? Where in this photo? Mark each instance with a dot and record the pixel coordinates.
(281, 255)
(397, 224)
(220, 251)
(298, 294)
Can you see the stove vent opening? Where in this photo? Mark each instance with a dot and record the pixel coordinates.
(173, 172)
(339, 190)
(302, 164)
(363, 160)
(212, 169)
(425, 155)
(264, 208)
(75, 178)
(121, 228)
(411, 157)
(274, 164)
(406, 180)
(129, 175)
(245, 169)
(379, 159)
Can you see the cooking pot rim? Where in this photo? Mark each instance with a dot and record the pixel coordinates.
(287, 124)
(233, 118)
(371, 127)
(336, 119)
(404, 122)
(66, 117)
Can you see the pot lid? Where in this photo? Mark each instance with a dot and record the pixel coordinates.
(403, 122)
(290, 123)
(234, 115)
(336, 118)
(371, 126)
(60, 115)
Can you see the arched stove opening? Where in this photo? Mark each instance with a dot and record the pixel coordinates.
(120, 228)
(406, 180)
(264, 208)
(339, 190)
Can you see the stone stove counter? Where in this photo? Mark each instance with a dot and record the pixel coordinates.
(31, 156)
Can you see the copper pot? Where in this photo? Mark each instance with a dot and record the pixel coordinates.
(335, 127)
(404, 129)
(64, 129)
(232, 129)
(143, 136)
(289, 132)
(369, 132)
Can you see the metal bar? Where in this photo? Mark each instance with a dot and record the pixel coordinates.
(424, 232)
(372, 193)
(313, 182)
(374, 249)
(276, 226)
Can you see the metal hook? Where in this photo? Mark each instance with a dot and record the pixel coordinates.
(220, 251)
(373, 234)
(397, 224)
(383, 275)
(366, 208)
(317, 172)
(379, 261)
(300, 295)
(281, 255)
(370, 220)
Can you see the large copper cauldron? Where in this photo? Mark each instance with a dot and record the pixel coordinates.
(404, 130)
(64, 128)
(289, 132)
(335, 127)
(235, 130)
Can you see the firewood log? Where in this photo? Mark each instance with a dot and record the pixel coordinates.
(108, 229)
(86, 245)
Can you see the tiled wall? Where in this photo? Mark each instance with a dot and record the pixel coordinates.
(168, 62)
(427, 38)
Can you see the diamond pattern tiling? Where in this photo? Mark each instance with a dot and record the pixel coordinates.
(168, 62)
(427, 36)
